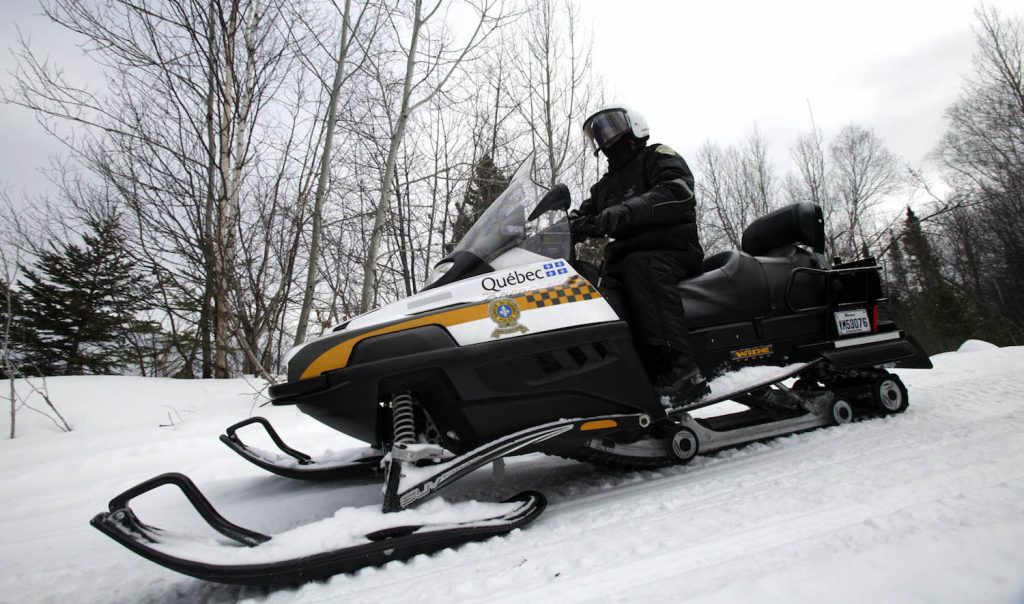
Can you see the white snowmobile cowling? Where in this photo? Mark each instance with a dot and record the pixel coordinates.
(509, 303)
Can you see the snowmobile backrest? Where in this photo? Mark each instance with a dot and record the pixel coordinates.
(796, 223)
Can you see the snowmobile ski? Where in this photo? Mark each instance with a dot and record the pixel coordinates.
(406, 485)
(296, 464)
(399, 542)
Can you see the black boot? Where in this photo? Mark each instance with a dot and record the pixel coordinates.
(675, 375)
(681, 384)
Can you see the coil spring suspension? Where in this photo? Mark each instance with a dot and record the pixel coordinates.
(403, 419)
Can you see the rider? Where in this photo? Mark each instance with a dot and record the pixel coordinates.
(645, 202)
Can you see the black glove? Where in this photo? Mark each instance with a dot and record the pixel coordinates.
(581, 226)
(613, 220)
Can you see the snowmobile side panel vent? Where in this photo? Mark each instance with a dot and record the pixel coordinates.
(554, 363)
(577, 355)
(548, 363)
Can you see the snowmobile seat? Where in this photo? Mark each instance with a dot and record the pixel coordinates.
(738, 286)
(731, 288)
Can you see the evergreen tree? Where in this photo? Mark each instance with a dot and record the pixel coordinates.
(484, 187)
(79, 305)
(898, 288)
(947, 318)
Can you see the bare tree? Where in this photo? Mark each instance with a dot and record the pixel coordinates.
(555, 87)
(864, 174)
(427, 71)
(341, 74)
(175, 136)
(982, 155)
(812, 180)
(735, 186)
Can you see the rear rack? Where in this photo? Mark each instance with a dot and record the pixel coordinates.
(839, 282)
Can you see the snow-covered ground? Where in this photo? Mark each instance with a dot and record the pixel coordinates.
(927, 506)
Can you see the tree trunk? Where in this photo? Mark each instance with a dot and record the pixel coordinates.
(321, 185)
(370, 264)
(206, 313)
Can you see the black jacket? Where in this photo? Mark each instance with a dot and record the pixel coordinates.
(663, 212)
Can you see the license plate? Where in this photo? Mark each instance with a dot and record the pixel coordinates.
(852, 321)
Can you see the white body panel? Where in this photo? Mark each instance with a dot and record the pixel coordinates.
(505, 283)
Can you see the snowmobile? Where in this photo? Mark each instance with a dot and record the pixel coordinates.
(510, 349)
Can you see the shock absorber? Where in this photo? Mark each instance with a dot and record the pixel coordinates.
(404, 449)
(403, 420)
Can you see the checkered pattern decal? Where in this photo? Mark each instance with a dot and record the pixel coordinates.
(575, 289)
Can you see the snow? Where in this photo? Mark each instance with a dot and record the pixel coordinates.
(927, 506)
(975, 346)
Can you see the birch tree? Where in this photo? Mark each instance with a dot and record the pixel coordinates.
(430, 61)
(179, 134)
(555, 88)
(350, 29)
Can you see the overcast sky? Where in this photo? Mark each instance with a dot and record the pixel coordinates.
(711, 70)
(707, 70)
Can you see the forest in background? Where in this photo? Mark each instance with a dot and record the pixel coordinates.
(253, 172)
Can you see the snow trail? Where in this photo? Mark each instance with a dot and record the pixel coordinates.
(927, 506)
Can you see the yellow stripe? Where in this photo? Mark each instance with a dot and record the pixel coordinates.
(337, 356)
(600, 424)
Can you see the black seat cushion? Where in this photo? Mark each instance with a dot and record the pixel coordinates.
(732, 288)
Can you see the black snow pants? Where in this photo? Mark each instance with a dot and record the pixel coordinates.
(641, 288)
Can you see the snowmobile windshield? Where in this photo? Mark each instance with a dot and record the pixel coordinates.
(503, 225)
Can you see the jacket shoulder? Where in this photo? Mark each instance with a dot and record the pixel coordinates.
(661, 150)
(660, 156)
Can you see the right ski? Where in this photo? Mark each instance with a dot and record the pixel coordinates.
(398, 542)
(296, 464)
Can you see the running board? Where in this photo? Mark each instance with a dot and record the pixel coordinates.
(714, 400)
(296, 464)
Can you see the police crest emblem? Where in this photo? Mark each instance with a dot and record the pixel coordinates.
(505, 312)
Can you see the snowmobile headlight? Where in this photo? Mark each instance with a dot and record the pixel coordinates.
(439, 271)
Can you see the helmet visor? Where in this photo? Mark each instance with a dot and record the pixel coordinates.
(603, 129)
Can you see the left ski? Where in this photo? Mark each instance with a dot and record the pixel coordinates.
(292, 463)
(397, 542)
